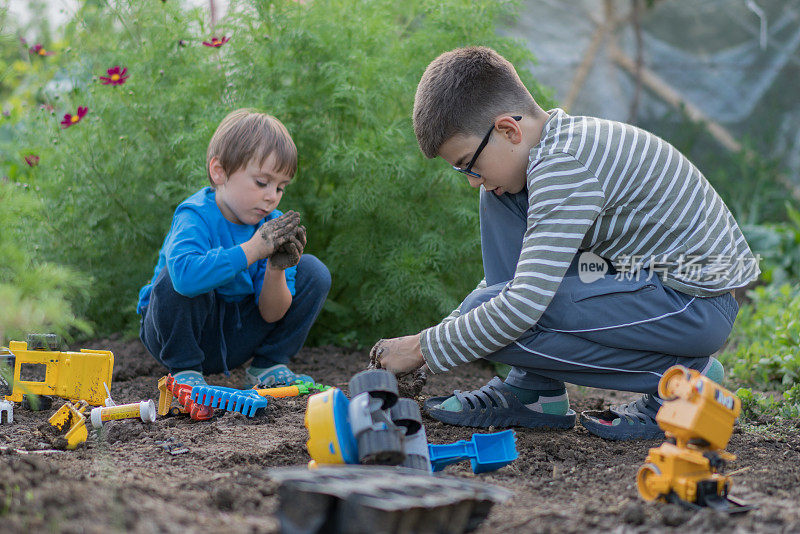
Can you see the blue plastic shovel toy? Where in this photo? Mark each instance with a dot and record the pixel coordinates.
(486, 452)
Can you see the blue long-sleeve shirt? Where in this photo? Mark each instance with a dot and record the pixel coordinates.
(202, 253)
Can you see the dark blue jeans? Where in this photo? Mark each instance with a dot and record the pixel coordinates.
(205, 333)
(610, 333)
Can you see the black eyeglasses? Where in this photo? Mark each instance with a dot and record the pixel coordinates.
(468, 169)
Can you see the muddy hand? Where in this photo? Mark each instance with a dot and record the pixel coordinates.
(288, 254)
(409, 384)
(375, 354)
(400, 355)
(279, 231)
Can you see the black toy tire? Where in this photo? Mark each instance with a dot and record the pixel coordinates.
(405, 413)
(417, 461)
(380, 447)
(378, 383)
(44, 403)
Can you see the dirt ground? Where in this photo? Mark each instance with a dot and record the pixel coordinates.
(126, 480)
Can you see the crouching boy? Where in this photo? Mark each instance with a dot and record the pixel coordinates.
(607, 256)
(232, 282)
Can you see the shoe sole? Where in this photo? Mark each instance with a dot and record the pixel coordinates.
(487, 417)
(620, 432)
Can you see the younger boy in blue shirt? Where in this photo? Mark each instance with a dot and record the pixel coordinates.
(232, 281)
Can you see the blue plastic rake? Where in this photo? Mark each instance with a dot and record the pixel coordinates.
(244, 401)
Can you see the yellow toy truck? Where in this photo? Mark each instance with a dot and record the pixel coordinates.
(75, 376)
(697, 418)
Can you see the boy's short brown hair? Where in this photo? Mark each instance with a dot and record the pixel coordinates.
(462, 92)
(246, 134)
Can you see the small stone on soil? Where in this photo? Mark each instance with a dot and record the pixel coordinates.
(674, 515)
(223, 498)
(633, 514)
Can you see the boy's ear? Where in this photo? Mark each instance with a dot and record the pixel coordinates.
(216, 171)
(509, 128)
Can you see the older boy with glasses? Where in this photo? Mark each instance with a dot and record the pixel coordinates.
(563, 200)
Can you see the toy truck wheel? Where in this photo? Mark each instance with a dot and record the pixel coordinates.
(37, 403)
(378, 383)
(645, 481)
(670, 380)
(418, 462)
(406, 414)
(380, 447)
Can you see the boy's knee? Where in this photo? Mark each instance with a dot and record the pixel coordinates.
(711, 332)
(711, 342)
(164, 287)
(472, 301)
(319, 277)
(480, 296)
(164, 295)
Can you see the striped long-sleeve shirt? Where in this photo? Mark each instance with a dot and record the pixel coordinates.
(620, 192)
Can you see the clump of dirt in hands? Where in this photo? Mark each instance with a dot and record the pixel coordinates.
(409, 385)
(288, 254)
(279, 231)
(177, 474)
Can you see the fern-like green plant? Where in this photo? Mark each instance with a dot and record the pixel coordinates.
(34, 296)
(399, 232)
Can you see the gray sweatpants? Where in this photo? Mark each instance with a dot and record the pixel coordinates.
(611, 333)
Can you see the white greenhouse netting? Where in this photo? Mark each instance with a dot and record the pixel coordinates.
(737, 69)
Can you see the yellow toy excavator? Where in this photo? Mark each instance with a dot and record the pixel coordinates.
(698, 418)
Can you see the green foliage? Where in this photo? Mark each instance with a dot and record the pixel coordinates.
(756, 404)
(399, 232)
(778, 244)
(34, 296)
(764, 350)
(765, 343)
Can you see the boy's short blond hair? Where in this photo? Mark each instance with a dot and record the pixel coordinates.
(462, 92)
(246, 134)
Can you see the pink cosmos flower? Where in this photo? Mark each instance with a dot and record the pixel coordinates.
(216, 43)
(32, 160)
(69, 120)
(115, 76)
(47, 107)
(39, 50)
